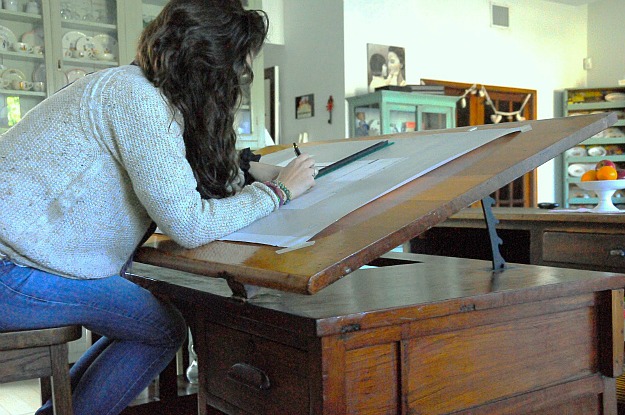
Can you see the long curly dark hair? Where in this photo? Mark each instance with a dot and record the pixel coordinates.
(198, 53)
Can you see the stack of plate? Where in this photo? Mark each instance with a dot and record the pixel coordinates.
(615, 96)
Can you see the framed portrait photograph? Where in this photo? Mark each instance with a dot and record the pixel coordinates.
(386, 65)
(305, 106)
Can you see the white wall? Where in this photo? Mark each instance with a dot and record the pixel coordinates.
(325, 52)
(452, 40)
(606, 42)
(311, 62)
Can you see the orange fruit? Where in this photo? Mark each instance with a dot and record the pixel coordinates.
(607, 173)
(589, 176)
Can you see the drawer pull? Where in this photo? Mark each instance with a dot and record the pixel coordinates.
(249, 375)
(617, 252)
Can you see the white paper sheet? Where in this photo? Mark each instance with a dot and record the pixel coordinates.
(346, 189)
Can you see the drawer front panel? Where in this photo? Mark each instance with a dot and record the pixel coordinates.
(457, 370)
(255, 374)
(603, 250)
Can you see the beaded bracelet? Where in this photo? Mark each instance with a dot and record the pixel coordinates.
(282, 187)
(279, 193)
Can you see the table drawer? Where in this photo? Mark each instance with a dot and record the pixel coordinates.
(601, 249)
(257, 375)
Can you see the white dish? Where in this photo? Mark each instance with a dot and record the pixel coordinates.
(7, 38)
(68, 42)
(615, 96)
(13, 75)
(87, 44)
(576, 170)
(74, 74)
(32, 38)
(604, 189)
(105, 44)
(613, 132)
(39, 74)
(602, 185)
(575, 152)
(597, 151)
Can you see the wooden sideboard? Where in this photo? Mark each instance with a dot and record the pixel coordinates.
(533, 236)
(420, 335)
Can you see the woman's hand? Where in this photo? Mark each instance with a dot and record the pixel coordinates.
(298, 175)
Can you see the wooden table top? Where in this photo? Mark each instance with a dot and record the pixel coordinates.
(518, 214)
(417, 287)
(387, 222)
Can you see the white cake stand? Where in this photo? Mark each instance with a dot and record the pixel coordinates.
(604, 190)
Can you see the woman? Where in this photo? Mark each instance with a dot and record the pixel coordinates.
(85, 174)
(393, 73)
(395, 64)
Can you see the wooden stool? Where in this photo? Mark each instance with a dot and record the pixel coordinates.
(40, 354)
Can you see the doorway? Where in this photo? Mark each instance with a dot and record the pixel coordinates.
(272, 103)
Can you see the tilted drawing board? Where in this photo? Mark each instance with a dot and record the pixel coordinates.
(388, 221)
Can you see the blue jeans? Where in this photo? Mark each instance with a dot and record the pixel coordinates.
(141, 334)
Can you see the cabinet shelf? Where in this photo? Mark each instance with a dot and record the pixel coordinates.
(604, 140)
(87, 25)
(595, 159)
(22, 56)
(20, 16)
(156, 2)
(14, 92)
(604, 105)
(90, 62)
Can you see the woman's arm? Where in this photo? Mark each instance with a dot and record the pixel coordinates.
(263, 172)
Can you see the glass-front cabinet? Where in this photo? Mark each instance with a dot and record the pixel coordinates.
(47, 44)
(389, 112)
(85, 37)
(23, 46)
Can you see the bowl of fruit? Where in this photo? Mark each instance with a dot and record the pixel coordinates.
(605, 179)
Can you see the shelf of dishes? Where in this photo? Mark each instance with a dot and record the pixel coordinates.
(14, 81)
(30, 14)
(80, 47)
(30, 44)
(94, 11)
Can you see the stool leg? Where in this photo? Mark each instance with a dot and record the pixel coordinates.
(45, 385)
(61, 388)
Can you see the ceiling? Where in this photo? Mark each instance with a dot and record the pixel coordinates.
(573, 2)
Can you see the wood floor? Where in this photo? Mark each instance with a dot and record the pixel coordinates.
(23, 398)
(19, 398)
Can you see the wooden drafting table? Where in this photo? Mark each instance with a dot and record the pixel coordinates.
(420, 334)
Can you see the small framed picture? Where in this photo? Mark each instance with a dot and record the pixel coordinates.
(305, 106)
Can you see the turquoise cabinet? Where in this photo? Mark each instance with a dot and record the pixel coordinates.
(389, 112)
(608, 144)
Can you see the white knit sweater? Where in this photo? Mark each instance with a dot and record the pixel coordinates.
(85, 172)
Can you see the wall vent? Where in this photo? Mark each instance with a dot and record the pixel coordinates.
(499, 16)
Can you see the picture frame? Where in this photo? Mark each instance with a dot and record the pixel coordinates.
(386, 65)
(305, 106)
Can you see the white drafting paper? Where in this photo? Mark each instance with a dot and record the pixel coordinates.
(348, 188)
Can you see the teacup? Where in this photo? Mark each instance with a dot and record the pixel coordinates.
(80, 54)
(105, 56)
(22, 47)
(22, 85)
(39, 86)
(11, 5)
(32, 7)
